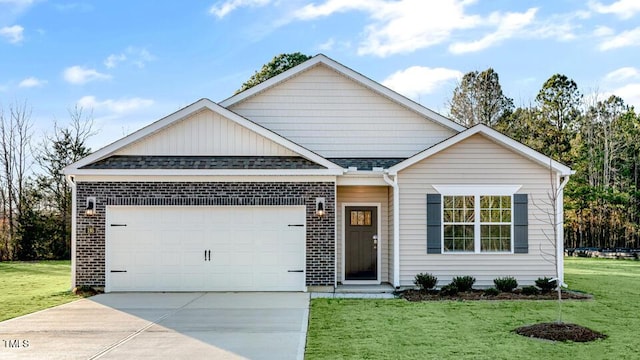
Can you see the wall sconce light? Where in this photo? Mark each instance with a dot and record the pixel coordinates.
(320, 209)
(90, 209)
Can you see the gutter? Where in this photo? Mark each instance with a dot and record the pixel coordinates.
(72, 183)
(396, 227)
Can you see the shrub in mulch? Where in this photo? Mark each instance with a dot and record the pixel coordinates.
(417, 295)
(560, 332)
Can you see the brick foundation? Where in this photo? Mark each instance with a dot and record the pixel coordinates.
(320, 238)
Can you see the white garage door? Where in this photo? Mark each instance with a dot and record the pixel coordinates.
(176, 248)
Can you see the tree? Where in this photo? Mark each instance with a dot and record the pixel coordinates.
(15, 162)
(65, 146)
(559, 103)
(559, 100)
(277, 65)
(478, 99)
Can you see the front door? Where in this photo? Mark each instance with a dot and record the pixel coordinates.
(361, 243)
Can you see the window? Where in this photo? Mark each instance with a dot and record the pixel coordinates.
(477, 223)
(360, 218)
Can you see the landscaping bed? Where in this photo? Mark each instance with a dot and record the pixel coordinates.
(560, 332)
(421, 295)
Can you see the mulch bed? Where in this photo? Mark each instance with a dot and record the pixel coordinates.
(560, 332)
(417, 295)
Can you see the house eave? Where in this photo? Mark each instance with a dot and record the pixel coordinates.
(203, 172)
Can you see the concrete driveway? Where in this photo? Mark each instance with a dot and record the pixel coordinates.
(163, 326)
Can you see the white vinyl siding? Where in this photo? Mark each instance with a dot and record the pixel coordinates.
(367, 194)
(334, 116)
(474, 161)
(206, 133)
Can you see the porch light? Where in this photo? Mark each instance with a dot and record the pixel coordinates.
(91, 206)
(320, 207)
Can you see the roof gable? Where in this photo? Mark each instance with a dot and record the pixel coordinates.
(205, 133)
(494, 136)
(325, 109)
(359, 78)
(201, 105)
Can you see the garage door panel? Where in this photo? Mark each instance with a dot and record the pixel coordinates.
(163, 248)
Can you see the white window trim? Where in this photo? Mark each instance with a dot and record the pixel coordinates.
(476, 191)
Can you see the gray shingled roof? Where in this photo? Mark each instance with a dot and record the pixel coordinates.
(203, 162)
(366, 163)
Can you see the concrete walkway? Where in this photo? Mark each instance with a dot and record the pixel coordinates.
(163, 326)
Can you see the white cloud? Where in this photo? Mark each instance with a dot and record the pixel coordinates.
(112, 60)
(137, 56)
(119, 106)
(508, 26)
(80, 75)
(32, 82)
(223, 8)
(404, 26)
(623, 39)
(630, 93)
(399, 26)
(14, 34)
(622, 74)
(624, 9)
(327, 45)
(418, 80)
(602, 31)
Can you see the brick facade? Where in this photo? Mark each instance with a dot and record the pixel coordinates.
(90, 232)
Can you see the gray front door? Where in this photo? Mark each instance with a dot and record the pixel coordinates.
(361, 243)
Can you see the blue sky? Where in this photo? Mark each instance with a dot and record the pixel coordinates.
(133, 62)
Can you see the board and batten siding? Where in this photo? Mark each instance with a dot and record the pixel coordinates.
(367, 194)
(206, 133)
(335, 116)
(474, 161)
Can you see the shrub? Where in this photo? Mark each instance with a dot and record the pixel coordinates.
(425, 281)
(530, 290)
(449, 290)
(546, 284)
(491, 292)
(463, 283)
(506, 284)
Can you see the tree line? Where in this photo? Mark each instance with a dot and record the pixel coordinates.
(35, 199)
(597, 136)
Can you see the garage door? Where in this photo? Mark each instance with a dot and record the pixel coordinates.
(176, 248)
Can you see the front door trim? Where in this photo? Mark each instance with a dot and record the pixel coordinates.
(381, 240)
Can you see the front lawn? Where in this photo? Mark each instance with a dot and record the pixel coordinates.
(397, 329)
(26, 287)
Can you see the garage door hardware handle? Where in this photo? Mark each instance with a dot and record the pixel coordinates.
(207, 255)
(296, 225)
(118, 224)
(295, 270)
(118, 271)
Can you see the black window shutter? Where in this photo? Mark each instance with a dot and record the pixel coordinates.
(434, 223)
(520, 224)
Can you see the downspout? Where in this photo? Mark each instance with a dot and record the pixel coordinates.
(335, 234)
(396, 227)
(72, 183)
(562, 180)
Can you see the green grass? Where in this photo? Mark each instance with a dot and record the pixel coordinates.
(26, 287)
(397, 329)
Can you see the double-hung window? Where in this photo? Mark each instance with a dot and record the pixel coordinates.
(477, 219)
